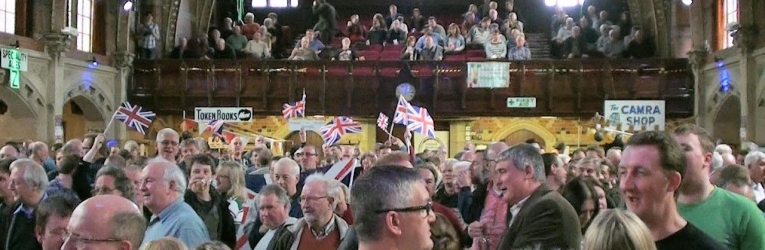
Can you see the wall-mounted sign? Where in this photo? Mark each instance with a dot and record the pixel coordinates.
(640, 115)
(488, 74)
(521, 102)
(223, 114)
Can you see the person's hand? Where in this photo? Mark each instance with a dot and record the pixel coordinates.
(469, 146)
(475, 229)
(99, 140)
(302, 135)
(349, 23)
(395, 42)
(368, 42)
(199, 186)
(462, 179)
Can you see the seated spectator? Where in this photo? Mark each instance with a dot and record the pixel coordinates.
(614, 47)
(410, 52)
(618, 229)
(559, 20)
(511, 36)
(180, 50)
(393, 15)
(237, 41)
(588, 33)
(640, 46)
(417, 21)
(403, 26)
(304, 53)
(213, 38)
(604, 18)
(346, 53)
(437, 28)
(455, 42)
(228, 28)
(625, 24)
(576, 45)
(468, 23)
(592, 16)
(258, 48)
(494, 16)
(377, 33)
(313, 44)
(496, 47)
(480, 34)
(603, 39)
(513, 22)
(356, 31)
(428, 32)
(250, 26)
(560, 39)
(395, 34)
(520, 51)
(431, 51)
(223, 51)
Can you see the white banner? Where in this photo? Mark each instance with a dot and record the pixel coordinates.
(9, 55)
(488, 75)
(309, 124)
(641, 115)
(203, 116)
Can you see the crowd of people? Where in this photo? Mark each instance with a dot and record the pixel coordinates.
(675, 190)
(496, 32)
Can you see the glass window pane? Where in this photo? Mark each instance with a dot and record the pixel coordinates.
(85, 25)
(86, 43)
(86, 10)
(10, 22)
(278, 3)
(259, 3)
(294, 3)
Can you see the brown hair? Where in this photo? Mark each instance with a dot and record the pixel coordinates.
(443, 234)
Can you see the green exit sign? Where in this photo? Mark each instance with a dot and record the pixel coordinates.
(521, 102)
(15, 79)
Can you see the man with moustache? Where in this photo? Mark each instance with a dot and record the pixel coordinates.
(538, 216)
(651, 170)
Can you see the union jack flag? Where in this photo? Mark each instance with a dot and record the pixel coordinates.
(382, 122)
(135, 117)
(402, 109)
(336, 128)
(420, 121)
(294, 110)
(216, 126)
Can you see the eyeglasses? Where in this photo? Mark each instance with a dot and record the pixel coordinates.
(427, 208)
(305, 154)
(312, 199)
(81, 242)
(103, 190)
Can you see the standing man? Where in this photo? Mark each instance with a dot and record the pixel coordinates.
(741, 225)
(392, 209)
(163, 185)
(651, 170)
(147, 35)
(755, 162)
(28, 184)
(273, 205)
(105, 222)
(539, 216)
(167, 144)
(327, 24)
(208, 203)
(52, 218)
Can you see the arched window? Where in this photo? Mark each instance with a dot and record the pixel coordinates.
(727, 13)
(8, 16)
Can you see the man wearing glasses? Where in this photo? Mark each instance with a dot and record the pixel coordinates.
(320, 228)
(392, 209)
(307, 158)
(28, 182)
(113, 180)
(167, 144)
(104, 222)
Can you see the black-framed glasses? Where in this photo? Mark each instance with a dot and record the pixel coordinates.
(427, 208)
(305, 154)
(80, 242)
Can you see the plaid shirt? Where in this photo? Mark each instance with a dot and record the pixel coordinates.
(146, 34)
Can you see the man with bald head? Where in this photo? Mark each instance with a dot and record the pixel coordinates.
(163, 185)
(167, 144)
(9, 151)
(105, 222)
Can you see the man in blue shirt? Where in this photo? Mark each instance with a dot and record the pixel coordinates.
(163, 186)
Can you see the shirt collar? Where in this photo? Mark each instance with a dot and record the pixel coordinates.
(28, 211)
(327, 229)
(167, 211)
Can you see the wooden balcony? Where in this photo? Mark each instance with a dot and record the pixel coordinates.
(563, 88)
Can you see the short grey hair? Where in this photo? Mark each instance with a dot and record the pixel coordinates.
(167, 131)
(382, 187)
(753, 157)
(717, 161)
(172, 173)
(34, 174)
(279, 192)
(290, 163)
(330, 184)
(131, 145)
(523, 155)
(723, 149)
(36, 146)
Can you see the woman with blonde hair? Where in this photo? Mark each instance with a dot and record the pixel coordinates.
(617, 229)
(229, 178)
(165, 243)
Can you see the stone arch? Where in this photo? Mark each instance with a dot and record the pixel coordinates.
(25, 111)
(548, 137)
(727, 120)
(93, 101)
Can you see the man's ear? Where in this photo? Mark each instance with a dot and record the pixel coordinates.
(393, 223)
(39, 234)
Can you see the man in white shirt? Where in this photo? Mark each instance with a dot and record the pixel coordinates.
(273, 208)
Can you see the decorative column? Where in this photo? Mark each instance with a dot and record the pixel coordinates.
(744, 40)
(56, 45)
(123, 62)
(697, 59)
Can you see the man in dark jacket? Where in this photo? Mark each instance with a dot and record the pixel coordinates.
(208, 203)
(28, 182)
(327, 24)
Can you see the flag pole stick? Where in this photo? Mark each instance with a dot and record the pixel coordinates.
(109, 124)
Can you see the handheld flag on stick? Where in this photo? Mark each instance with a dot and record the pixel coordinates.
(336, 128)
(420, 121)
(382, 122)
(134, 116)
(215, 126)
(294, 110)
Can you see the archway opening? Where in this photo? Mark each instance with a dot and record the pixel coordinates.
(312, 138)
(81, 116)
(17, 116)
(727, 122)
(523, 135)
